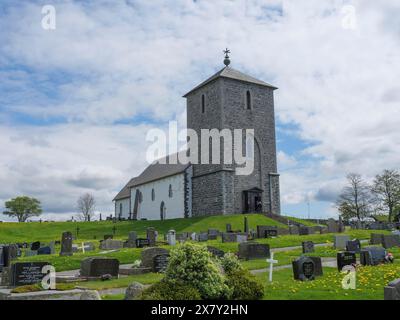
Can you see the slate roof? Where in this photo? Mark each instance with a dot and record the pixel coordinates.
(228, 72)
(153, 172)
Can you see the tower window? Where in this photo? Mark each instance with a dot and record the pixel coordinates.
(153, 195)
(248, 100)
(203, 103)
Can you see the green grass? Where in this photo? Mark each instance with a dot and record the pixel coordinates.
(369, 284)
(302, 221)
(48, 231)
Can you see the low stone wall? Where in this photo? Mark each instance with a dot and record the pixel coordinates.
(5, 294)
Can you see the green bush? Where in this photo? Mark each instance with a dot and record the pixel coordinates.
(230, 263)
(170, 290)
(245, 286)
(193, 265)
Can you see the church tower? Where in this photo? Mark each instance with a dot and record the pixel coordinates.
(232, 100)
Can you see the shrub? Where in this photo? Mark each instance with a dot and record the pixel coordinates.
(170, 290)
(245, 286)
(230, 263)
(193, 265)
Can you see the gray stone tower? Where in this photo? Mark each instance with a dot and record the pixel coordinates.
(233, 100)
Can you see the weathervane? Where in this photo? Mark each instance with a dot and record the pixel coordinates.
(227, 61)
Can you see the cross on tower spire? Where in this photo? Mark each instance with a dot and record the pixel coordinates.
(227, 61)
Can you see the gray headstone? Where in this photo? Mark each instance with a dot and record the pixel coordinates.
(228, 237)
(354, 246)
(111, 244)
(253, 250)
(148, 255)
(151, 236)
(307, 246)
(171, 237)
(228, 227)
(99, 266)
(390, 241)
(241, 238)
(392, 290)
(202, 237)
(340, 241)
(372, 256)
(66, 244)
(376, 238)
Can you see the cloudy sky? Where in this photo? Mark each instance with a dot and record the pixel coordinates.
(76, 102)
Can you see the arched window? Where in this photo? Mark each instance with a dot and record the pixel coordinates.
(248, 100)
(153, 195)
(203, 103)
(170, 192)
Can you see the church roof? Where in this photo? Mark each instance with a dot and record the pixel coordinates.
(228, 72)
(125, 192)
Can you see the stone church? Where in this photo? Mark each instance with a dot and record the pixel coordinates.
(229, 99)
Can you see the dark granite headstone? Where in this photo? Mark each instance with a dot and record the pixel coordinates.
(372, 256)
(140, 243)
(160, 262)
(10, 253)
(333, 226)
(99, 266)
(303, 269)
(346, 258)
(213, 234)
(216, 252)
(392, 290)
(44, 250)
(318, 272)
(376, 238)
(265, 231)
(35, 246)
(66, 244)
(228, 237)
(26, 273)
(271, 233)
(246, 225)
(307, 246)
(253, 250)
(108, 236)
(390, 241)
(151, 236)
(228, 227)
(202, 237)
(148, 255)
(354, 246)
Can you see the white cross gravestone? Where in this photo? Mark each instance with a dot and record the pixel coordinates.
(83, 247)
(271, 262)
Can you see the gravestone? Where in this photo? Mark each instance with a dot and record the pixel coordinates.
(35, 245)
(160, 263)
(30, 253)
(182, 236)
(390, 241)
(44, 250)
(202, 237)
(353, 246)
(10, 253)
(26, 273)
(304, 231)
(341, 225)
(1, 258)
(213, 234)
(111, 244)
(392, 290)
(131, 243)
(241, 238)
(266, 231)
(171, 237)
(52, 245)
(66, 244)
(228, 237)
(216, 252)
(148, 255)
(96, 267)
(372, 256)
(376, 238)
(303, 269)
(333, 226)
(193, 236)
(307, 246)
(108, 236)
(346, 258)
(253, 250)
(151, 236)
(246, 225)
(141, 243)
(340, 242)
(228, 227)
(318, 272)
(294, 230)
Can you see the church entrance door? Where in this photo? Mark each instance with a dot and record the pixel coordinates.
(252, 201)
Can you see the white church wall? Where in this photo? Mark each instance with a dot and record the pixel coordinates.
(150, 210)
(122, 208)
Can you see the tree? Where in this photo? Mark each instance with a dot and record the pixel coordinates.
(355, 200)
(86, 205)
(386, 191)
(23, 208)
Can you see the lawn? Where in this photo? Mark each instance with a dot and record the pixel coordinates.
(370, 282)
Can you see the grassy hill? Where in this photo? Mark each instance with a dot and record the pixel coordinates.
(48, 231)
